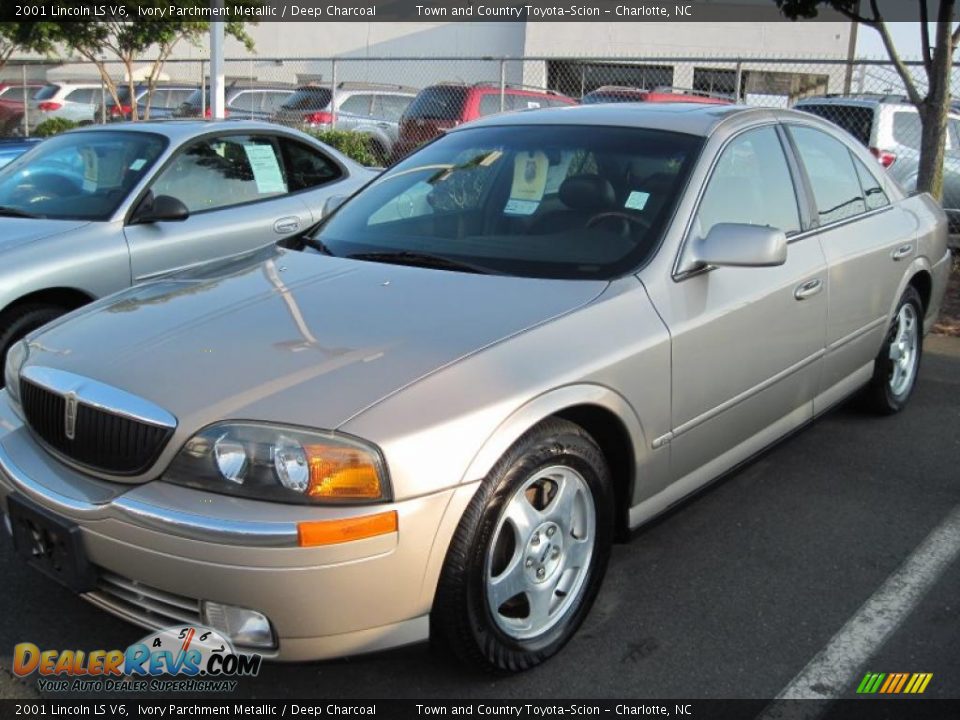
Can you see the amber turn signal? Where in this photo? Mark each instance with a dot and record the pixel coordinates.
(331, 532)
(339, 472)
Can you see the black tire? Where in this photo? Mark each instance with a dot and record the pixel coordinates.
(462, 619)
(880, 394)
(16, 322)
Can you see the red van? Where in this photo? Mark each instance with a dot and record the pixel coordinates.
(440, 107)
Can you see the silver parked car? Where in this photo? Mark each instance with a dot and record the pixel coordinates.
(373, 109)
(436, 413)
(93, 211)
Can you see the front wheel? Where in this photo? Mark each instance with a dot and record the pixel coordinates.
(17, 322)
(530, 553)
(897, 364)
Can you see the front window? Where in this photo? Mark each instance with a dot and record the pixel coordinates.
(537, 201)
(82, 176)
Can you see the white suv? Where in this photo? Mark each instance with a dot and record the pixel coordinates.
(890, 126)
(76, 101)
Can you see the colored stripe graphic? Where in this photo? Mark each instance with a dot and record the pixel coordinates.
(894, 683)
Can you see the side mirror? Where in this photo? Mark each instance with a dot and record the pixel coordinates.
(739, 245)
(332, 203)
(162, 208)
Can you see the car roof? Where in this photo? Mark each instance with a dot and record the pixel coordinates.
(690, 118)
(177, 130)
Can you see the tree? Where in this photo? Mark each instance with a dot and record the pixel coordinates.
(933, 104)
(127, 41)
(24, 37)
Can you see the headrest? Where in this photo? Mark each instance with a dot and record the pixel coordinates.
(587, 192)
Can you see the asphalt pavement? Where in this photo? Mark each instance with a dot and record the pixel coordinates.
(731, 595)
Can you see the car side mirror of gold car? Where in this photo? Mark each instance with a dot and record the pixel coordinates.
(162, 208)
(738, 245)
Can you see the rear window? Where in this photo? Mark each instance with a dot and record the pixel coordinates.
(314, 98)
(441, 102)
(123, 95)
(195, 98)
(46, 92)
(854, 119)
(906, 129)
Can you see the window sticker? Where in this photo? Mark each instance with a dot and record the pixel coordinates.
(529, 183)
(637, 200)
(266, 169)
(556, 174)
(138, 164)
(90, 165)
(532, 105)
(521, 207)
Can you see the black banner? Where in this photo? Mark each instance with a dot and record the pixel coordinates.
(861, 709)
(423, 11)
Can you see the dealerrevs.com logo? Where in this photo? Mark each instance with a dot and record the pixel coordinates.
(177, 659)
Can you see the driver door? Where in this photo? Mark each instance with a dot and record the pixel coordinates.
(747, 341)
(238, 193)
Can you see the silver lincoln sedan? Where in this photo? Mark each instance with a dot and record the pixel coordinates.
(91, 212)
(434, 414)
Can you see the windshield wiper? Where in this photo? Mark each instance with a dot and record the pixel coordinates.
(316, 245)
(419, 259)
(8, 211)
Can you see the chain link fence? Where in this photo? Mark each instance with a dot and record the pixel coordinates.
(400, 102)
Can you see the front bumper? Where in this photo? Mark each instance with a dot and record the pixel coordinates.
(161, 549)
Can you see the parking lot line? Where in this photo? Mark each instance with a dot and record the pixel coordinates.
(833, 672)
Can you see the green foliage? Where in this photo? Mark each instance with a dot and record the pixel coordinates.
(34, 37)
(356, 146)
(54, 126)
(794, 9)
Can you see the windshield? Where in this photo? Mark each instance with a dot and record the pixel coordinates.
(308, 99)
(78, 176)
(536, 201)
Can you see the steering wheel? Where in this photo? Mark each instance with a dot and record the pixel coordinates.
(46, 187)
(626, 220)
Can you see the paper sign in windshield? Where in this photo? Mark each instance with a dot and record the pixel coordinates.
(529, 183)
(266, 169)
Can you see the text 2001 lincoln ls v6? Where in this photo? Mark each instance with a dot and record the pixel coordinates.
(434, 413)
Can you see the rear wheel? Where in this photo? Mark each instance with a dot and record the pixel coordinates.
(529, 555)
(16, 322)
(897, 364)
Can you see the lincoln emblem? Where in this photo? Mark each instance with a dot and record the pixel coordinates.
(70, 415)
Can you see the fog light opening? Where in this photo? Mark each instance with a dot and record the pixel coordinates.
(245, 628)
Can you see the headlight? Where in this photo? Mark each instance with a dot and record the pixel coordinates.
(16, 357)
(280, 463)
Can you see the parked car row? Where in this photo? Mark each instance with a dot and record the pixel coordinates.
(431, 411)
(396, 118)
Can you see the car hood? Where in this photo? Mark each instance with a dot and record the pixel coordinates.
(18, 231)
(297, 338)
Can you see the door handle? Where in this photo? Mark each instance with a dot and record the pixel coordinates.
(286, 225)
(808, 289)
(901, 252)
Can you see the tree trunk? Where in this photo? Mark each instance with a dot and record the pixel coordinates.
(933, 118)
(933, 111)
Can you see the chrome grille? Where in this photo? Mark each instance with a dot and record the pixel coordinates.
(102, 440)
(142, 604)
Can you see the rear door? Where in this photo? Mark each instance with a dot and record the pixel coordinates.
(238, 191)
(867, 242)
